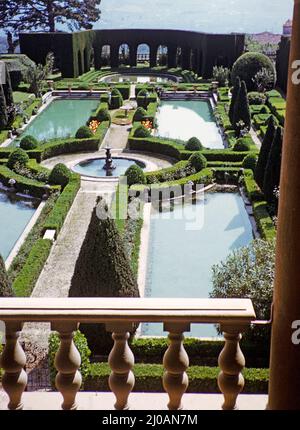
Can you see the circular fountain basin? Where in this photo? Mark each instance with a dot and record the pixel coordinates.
(93, 167)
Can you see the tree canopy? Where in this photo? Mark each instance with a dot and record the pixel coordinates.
(22, 15)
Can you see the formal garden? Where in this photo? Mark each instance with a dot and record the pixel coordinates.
(243, 109)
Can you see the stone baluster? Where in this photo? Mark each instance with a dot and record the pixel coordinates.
(231, 362)
(13, 361)
(176, 361)
(67, 362)
(121, 361)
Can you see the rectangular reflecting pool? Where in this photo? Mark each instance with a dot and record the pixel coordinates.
(15, 214)
(189, 118)
(61, 119)
(183, 249)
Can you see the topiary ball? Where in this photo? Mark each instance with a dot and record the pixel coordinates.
(142, 131)
(139, 114)
(84, 133)
(198, 161)
(248, 65)
(241, 145)
(60, 175)
(29, 142)
(193, 144)
(103, 115)
(250, 162)
(135, 175)
(17, 156)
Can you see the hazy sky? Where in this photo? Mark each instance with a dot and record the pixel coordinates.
(206, 15)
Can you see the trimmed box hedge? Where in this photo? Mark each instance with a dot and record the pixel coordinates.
(154, 145)
(24, 185)
(263, 220)
(28, 276)
(148, 378)
(63, 204)
(68, 146)
(205, 177)
(262, 217)
(200, 352)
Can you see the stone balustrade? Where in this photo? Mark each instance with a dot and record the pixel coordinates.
(119, 314)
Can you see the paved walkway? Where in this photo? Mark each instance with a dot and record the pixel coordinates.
(56, 276)
(117, 136)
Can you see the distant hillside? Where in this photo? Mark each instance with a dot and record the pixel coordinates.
(266, 37)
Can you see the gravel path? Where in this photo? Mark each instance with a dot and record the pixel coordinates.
(117, 136)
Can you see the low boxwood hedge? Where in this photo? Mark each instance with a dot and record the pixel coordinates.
(202, 378)
(68, 146)
(252, 189)
(24, 185)
(148, 378)
(63, 204)
(205, 177)
(177, 171)
(200, 352)
(263, 220)
(262, 217)
(154, 145)
(28, 276)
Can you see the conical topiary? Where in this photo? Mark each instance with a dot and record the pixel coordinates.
(272, 174)
(235, 92)
(8, 92)
(264, 152)
(241, 108)
(3, 110)
(102, 270)
(5, 284)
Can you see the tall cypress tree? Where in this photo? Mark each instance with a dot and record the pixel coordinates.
(272, 173)
(8, 92)
(3, 109)
(241, 108)
(102, 270)
(264, 152)
(5, 285)
(235, 92)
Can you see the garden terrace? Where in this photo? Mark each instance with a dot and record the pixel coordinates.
(199, 51)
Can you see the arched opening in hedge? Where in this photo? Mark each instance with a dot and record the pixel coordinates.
(105, 56)
(143, 54)
(124, 55)
(79, 59)
(179, 56)
(162, 56)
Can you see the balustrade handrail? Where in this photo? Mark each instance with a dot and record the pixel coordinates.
(119, 316)
(213, 311)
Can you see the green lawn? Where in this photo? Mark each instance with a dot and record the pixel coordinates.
(20, 96)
